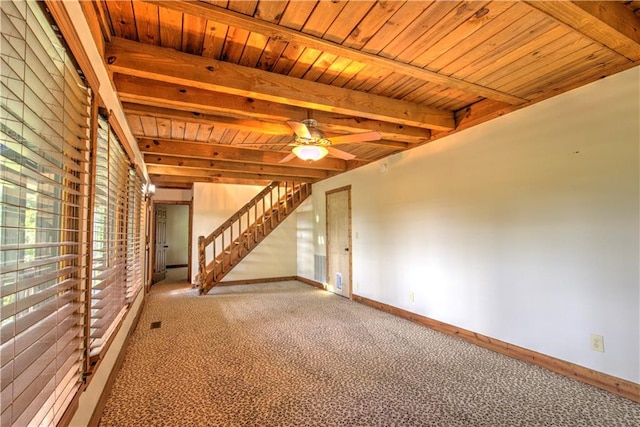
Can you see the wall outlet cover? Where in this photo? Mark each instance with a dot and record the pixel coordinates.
(597, 343)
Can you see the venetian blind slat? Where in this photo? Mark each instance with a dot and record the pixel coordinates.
(108, 289)
(43, 156)
(134, 236)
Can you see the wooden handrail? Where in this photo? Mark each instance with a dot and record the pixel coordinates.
(225, 256)
(234, 217)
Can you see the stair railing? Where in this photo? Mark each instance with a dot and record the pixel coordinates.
(244, 229)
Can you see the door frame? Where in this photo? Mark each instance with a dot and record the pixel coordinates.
(346, 188)
(152, 245)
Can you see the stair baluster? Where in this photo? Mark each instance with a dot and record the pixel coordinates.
(227, 256)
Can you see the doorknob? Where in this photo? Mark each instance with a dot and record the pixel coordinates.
(166, 246)
(346, 249)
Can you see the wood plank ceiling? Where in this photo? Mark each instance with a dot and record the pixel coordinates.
(208, 86)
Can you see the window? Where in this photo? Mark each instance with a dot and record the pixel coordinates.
(43, 214)
(118, 240)
(58, 310)
(108, 280)
(135, 236)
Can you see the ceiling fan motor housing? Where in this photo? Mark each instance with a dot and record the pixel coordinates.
(310, 123)
(317, 136)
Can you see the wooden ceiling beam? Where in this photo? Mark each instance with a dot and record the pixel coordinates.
(481, 112)
(205, 173)
(162, 94)
(221, 165)
(173, 185)
(606, 22)
(250, 125)
(231, 123)
(199, 103)
(164, 64)
(330, 122)
(234, 154)
(186, 181)
(381, 143)
(283, 34)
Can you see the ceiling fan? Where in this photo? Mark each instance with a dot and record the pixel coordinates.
(312, 144)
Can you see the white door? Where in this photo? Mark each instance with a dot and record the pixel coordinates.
(339, 241)
(160, 267)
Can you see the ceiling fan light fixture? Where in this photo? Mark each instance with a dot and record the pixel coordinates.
(310, 152)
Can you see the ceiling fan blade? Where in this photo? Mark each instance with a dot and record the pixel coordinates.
(291, 156)
(340, 154)
(355, 137)
(300, 129)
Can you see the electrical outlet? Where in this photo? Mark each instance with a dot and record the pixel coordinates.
(597, 343)
(411, 296)
(357, 285)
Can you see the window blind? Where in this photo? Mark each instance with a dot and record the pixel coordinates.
(108, 287)
(43, 203)
(135, 236)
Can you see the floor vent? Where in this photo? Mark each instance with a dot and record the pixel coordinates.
(156, 325)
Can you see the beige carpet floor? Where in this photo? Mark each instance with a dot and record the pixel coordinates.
(287, 354)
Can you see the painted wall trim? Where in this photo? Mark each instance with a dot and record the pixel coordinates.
(311, 282)
(618, 386)
(256, 281)
(273, 279)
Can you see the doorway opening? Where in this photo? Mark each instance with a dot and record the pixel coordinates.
(172, 241)
(339, 241)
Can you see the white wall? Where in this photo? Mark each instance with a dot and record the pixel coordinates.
(525, 228)
(177, 234)
(308, 232)
(215, 203)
